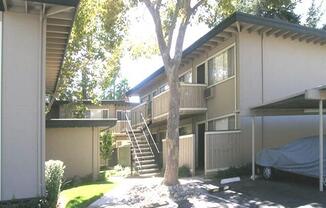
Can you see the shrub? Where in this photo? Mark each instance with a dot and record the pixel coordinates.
(54, 170)
(184, 171)
(106, 140)
(24, 203)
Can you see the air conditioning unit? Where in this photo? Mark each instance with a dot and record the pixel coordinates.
(208, 93)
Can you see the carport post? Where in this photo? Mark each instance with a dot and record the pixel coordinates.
(321, 147)
(253, 148)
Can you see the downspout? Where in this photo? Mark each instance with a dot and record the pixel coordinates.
(1, 57)
(262, 88)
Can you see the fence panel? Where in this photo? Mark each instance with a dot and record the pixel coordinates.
(223, 150)
(186, 152)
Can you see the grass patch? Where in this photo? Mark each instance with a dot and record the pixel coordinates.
(84, 194)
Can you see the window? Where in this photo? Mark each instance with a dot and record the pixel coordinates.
(146, 98)
(96, 113)
(222, 124)
(163, 88)
(105, 113)
(221, 67)
(185, 130)
(121, 115)
(201, 74)
(154, 93)
(186, 77)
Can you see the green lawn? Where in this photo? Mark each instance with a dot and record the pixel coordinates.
(83, 195)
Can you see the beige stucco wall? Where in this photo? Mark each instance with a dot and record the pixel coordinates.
(222, 101)
(22, 106)
(78, 148)
(273, 68)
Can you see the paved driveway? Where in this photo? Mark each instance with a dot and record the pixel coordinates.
(282, 192)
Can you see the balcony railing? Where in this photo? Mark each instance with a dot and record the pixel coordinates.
(119, 127)
(192, 101)
(135, 113)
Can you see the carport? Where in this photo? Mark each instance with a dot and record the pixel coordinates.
(309, 102)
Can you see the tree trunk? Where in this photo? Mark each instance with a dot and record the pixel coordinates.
(172, 140)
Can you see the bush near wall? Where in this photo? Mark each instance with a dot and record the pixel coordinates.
(54, 170)
(25, 203)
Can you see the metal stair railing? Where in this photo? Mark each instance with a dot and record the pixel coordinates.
(141, 114)
(150, 148)
(133, 133)
(133, 146)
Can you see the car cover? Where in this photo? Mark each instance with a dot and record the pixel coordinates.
(300, 156)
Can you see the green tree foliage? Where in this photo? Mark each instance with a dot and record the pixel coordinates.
(213, 13)
(116, 91)
(93, 53)
(106, 140)
(278, 9)
(314, 14)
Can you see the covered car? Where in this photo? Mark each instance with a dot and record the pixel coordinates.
(300, 157)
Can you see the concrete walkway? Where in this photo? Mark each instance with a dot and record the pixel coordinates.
(120, 196)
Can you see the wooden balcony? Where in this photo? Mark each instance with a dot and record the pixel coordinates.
(192, 101)
(135, 113)
(119, 127)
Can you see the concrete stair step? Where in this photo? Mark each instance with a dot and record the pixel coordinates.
(149, 175)
(143, 149)
(144, 162)
(148, 170)
(147, 166)
(139, 155)
(147, 157)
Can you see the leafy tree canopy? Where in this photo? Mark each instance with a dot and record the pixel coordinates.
(93, 54)
(215, 11)
(314, 14)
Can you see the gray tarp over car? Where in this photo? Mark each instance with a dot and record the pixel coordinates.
(300, 156)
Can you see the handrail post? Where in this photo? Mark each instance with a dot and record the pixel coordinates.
(141, 114)
(133, 148)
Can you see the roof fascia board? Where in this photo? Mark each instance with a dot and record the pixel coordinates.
(235, 17)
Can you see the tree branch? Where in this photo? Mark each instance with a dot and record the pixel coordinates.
(195, 7)
(173, 23)
(181, 33)
(155, 13)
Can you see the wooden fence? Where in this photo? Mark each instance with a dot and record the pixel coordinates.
(186, 152)
(223, 149)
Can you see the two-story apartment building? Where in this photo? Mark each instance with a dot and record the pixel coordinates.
(245, 61)
(73, 133)
(33, 39)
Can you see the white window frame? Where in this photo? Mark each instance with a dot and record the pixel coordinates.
(217, 54)
(224, 117)
(125, 111)
(103, 112)
(206, 75)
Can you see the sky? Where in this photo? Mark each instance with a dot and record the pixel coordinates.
(142, 29)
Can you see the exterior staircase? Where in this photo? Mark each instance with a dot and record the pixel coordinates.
(142, 152)
(146, 164)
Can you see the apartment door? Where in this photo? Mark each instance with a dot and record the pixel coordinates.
(201, 145)
(201, 74)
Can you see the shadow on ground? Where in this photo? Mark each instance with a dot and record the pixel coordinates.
(285, 191)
